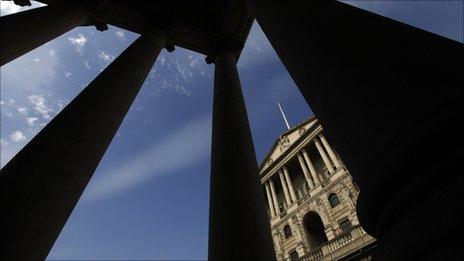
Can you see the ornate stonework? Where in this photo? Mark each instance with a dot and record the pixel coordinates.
(322, 218)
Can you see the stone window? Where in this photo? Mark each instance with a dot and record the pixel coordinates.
(287, 231)
(334, 200)
(294, 255)
(345, 225)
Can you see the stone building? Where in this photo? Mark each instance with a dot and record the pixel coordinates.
(312, 199)
(376, 87)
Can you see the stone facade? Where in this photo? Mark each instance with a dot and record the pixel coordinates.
(312, 199)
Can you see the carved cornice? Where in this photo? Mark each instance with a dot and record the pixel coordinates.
(289, 153)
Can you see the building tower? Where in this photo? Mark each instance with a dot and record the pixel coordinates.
(312, 199)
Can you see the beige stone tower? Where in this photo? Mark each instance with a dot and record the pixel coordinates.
(312, 199)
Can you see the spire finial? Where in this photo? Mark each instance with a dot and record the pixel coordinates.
(283, 115)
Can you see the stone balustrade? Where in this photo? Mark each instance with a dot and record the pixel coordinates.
(327, 250)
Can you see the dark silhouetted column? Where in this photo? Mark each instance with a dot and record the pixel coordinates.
(41, 185)
(22, 32)
(238, 223)
(390, 98)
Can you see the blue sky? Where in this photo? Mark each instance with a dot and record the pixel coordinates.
(149, 197)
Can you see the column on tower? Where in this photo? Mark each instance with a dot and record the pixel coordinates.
(290, 185)
(285, 189)
(324, 157)
(25, 31)
(41, 185)
(270, 199)
(305, 171)
(274, 197)
(312, 170)
(332, 155)
(238, 224)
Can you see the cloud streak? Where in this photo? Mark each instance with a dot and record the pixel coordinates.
(185, 147)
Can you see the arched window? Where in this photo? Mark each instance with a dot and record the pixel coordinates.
(287, 231)
(334, 200)
(293, 255)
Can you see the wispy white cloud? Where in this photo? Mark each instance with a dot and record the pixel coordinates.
(17, 136)
(187, 146)
(258, 50)
(120, 34)
(87, 65)
(105, 56)
(40, 105)
(78, 42)
(176, 72)
(23, 110)
(31, 121)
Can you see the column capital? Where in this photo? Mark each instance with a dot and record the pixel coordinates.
(221, 47)
(166, 24)
(99, 14)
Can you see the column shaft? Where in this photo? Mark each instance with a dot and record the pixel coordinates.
(25, 31)
(324, 157)
(312, 170)
(274, 197)
(269, 199)
(41, 185)
(290, 184)
(284, 187)
(238, 227)
(384, 120)
(305, 171)
(329, 150)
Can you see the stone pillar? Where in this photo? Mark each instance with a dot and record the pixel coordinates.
(305, 171)
(269, 199)
(312, 170)
(384, 120)
(25, 31)
(274, 197)
(284, 187)
(290, 185)
(324, 157)
(238, 224)
(329, 150)
(41, 185)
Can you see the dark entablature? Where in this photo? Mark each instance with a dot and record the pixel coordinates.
(196, 25)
